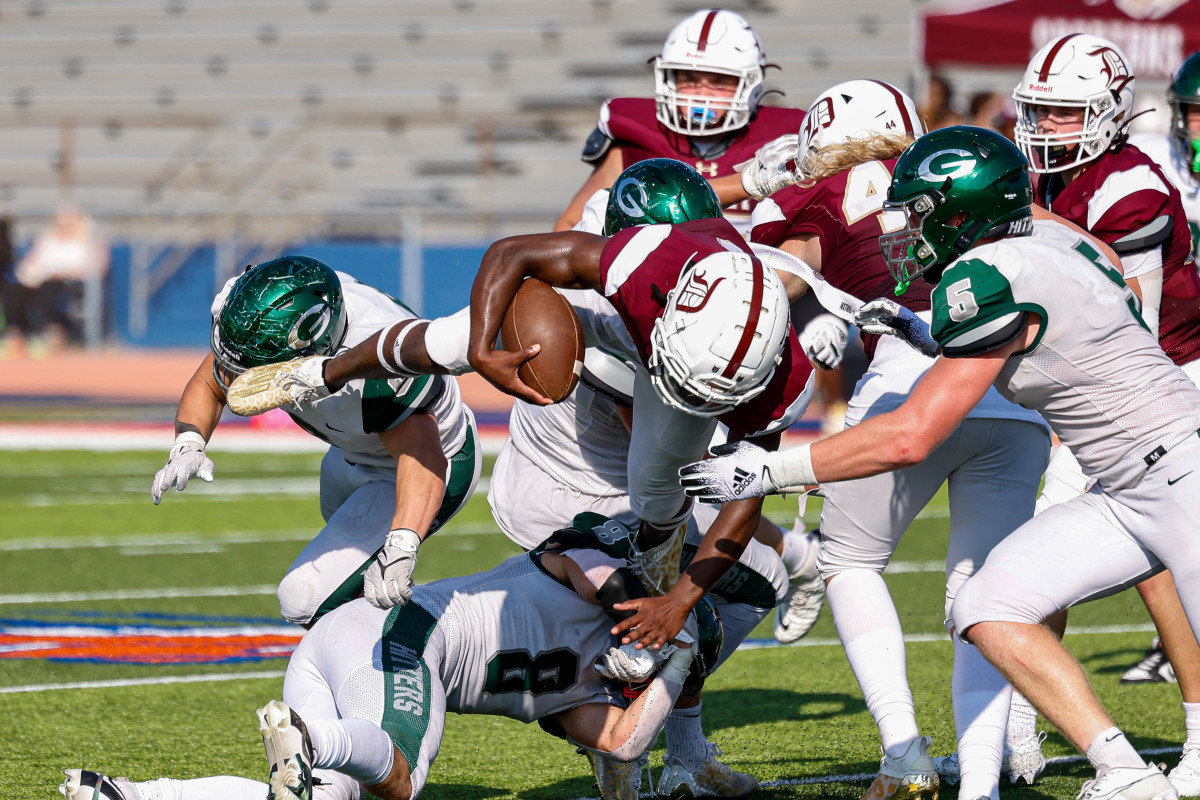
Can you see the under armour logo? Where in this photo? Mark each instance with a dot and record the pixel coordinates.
(707, 168)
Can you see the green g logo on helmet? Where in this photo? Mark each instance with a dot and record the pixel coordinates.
(658, 190)
(955, 186)
(279, 310)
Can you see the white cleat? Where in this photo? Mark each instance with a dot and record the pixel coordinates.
(1154, 667)
(618, 780)
(289, 750)
(714, 779)
(1186, 776)
(1129, 783)
(907, 777)
(83, 784)
(805, 596)
(1023, 762)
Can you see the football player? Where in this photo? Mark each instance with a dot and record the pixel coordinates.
(1035, 309)
(367, 690)
(403, 455)
(993, 462)
(1075, 103)
(709, 80)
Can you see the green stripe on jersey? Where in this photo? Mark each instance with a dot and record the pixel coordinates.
(406, 676)
(383, 407)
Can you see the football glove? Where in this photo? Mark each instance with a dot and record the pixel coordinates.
(186, 461)
(388, 581)
(885, 317)
(627, 663)
(823, 340)
(737, 472)
(767, 172)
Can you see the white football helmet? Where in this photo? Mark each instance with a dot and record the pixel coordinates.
(857, 109)
(1078, 70)
(710, 41)
(721, 336)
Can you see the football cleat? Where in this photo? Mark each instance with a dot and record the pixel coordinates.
(618, 780)
(1186, 776)
(83, 784)
(1024, 762)
(804, 598)
(907, 777)
(714, 779)
(289, 750)
(1129, 783)
(1153, 668)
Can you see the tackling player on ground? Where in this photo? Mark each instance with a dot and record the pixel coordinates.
(403, 455)
(1036, 310)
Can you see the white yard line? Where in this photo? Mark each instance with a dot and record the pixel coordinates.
(135, 594)
(208, 678)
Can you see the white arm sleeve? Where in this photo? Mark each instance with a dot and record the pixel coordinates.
(1135, 265)
(835, 301)
(1151, 284)
(660, 700)
(592, 220)
(446, 341)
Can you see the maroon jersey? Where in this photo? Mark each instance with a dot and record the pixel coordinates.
(640, 265)
(845, 213)
(630, 123)
(1124, 199)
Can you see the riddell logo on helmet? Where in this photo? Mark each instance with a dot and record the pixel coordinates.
(1039, 87)
(696, 292)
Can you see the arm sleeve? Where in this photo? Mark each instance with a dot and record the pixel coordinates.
(1151, 284)
(446, 341)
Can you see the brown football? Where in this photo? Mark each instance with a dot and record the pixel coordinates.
(540, 315)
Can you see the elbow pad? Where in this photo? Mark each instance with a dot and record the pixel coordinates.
(622, 585)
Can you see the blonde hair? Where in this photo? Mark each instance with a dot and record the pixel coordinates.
(832, 159)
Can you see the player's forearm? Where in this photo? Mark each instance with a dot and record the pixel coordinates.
(720, 549)
(729, 189)
(499, 277)
(638, 728)
(420, 472)
(200, 404)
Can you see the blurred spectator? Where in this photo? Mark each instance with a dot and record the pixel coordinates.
(938, 110)
(13, 296)
(64, 257)
(993, 110)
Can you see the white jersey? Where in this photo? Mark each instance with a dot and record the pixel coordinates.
(1095, 373)
(517, 642)
(352, 418)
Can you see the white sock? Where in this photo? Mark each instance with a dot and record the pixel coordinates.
(1191, 719)
(219, 787)
(980, 696)
(1022, 720)
(1111, 750)
(796, 547)
(870, 631)
(685, 738)
(355, 747)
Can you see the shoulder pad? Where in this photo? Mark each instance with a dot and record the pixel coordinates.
(1151, 235)
(609, 375)
(596, 146)
(594, 532)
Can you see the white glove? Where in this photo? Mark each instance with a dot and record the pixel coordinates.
(885, 317)
(824, 341)
(388, 581)
(627, 663)
(186, 461)
(737, 472)
(767, 172)
(303, 383)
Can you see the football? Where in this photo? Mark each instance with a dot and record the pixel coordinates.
(540, 315)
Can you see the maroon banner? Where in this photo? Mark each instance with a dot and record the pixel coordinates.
(1156, 35)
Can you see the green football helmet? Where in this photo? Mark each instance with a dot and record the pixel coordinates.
(658, 190)
(707, 651)
(955, 186)
(279, 310)
(1185, 91)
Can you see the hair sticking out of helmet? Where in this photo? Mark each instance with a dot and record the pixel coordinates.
(279, 310)
(709, 41)
(854, 122)
(1074, 102)
(658, 190)
(955, 186)
(1182, 94)
(721, 335)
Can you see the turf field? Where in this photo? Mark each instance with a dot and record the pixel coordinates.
(83, 545)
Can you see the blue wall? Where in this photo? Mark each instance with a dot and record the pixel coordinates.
(179, 311)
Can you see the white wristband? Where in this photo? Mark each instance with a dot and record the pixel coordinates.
(789, 471)
(189, 437)
(404, 538)
(677, 666)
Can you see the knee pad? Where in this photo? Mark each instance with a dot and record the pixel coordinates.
(296, 597)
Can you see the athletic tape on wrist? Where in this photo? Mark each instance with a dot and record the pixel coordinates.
(789, 471)
(405, 538)
(677, 667)
(189, 437)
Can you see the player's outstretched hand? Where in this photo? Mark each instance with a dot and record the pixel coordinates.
(186, 461)
(388, 581)
(736, 471)
(823, 340)
(767, 172)
(500, 367)
(885, 317)
(655, 622)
